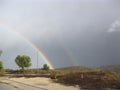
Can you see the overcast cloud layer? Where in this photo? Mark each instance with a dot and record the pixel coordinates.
(69, 32)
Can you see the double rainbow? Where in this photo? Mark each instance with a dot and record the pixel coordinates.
(40, 53)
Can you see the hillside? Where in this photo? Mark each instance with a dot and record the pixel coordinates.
(91, 78)
(115, 68)
(77, 68)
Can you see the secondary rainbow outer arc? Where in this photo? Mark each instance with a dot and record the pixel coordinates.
(47, 61)
(68, 53)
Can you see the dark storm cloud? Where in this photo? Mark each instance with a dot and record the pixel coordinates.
(85, 32)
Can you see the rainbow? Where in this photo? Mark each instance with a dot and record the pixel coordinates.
(67, 52)
(46, 60)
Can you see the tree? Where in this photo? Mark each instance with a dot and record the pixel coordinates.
(0, 52)
(1, 68)
(46, 67)
(23, 61)
(1, 65)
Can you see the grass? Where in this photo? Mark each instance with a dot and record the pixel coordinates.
(91, 80)
(2, 72)
(87, 78)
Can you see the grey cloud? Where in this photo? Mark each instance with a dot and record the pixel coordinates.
(115, 26)
(67, 31)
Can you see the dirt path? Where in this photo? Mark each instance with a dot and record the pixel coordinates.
(38, 83)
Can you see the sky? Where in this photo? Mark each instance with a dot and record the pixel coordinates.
(67, 32)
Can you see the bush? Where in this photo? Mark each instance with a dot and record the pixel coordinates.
(45, 67)
(1, 68)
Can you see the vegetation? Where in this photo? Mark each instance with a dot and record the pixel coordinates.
(85, 78)
(1, 65)
(114, 68)
(78, 69)
(91, 80)
(1, 68)
(88, 78)
(23, 61)
(45, 67)
(0, 52)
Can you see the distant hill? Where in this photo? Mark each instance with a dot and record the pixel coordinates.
(115, 68)
(77, 68)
